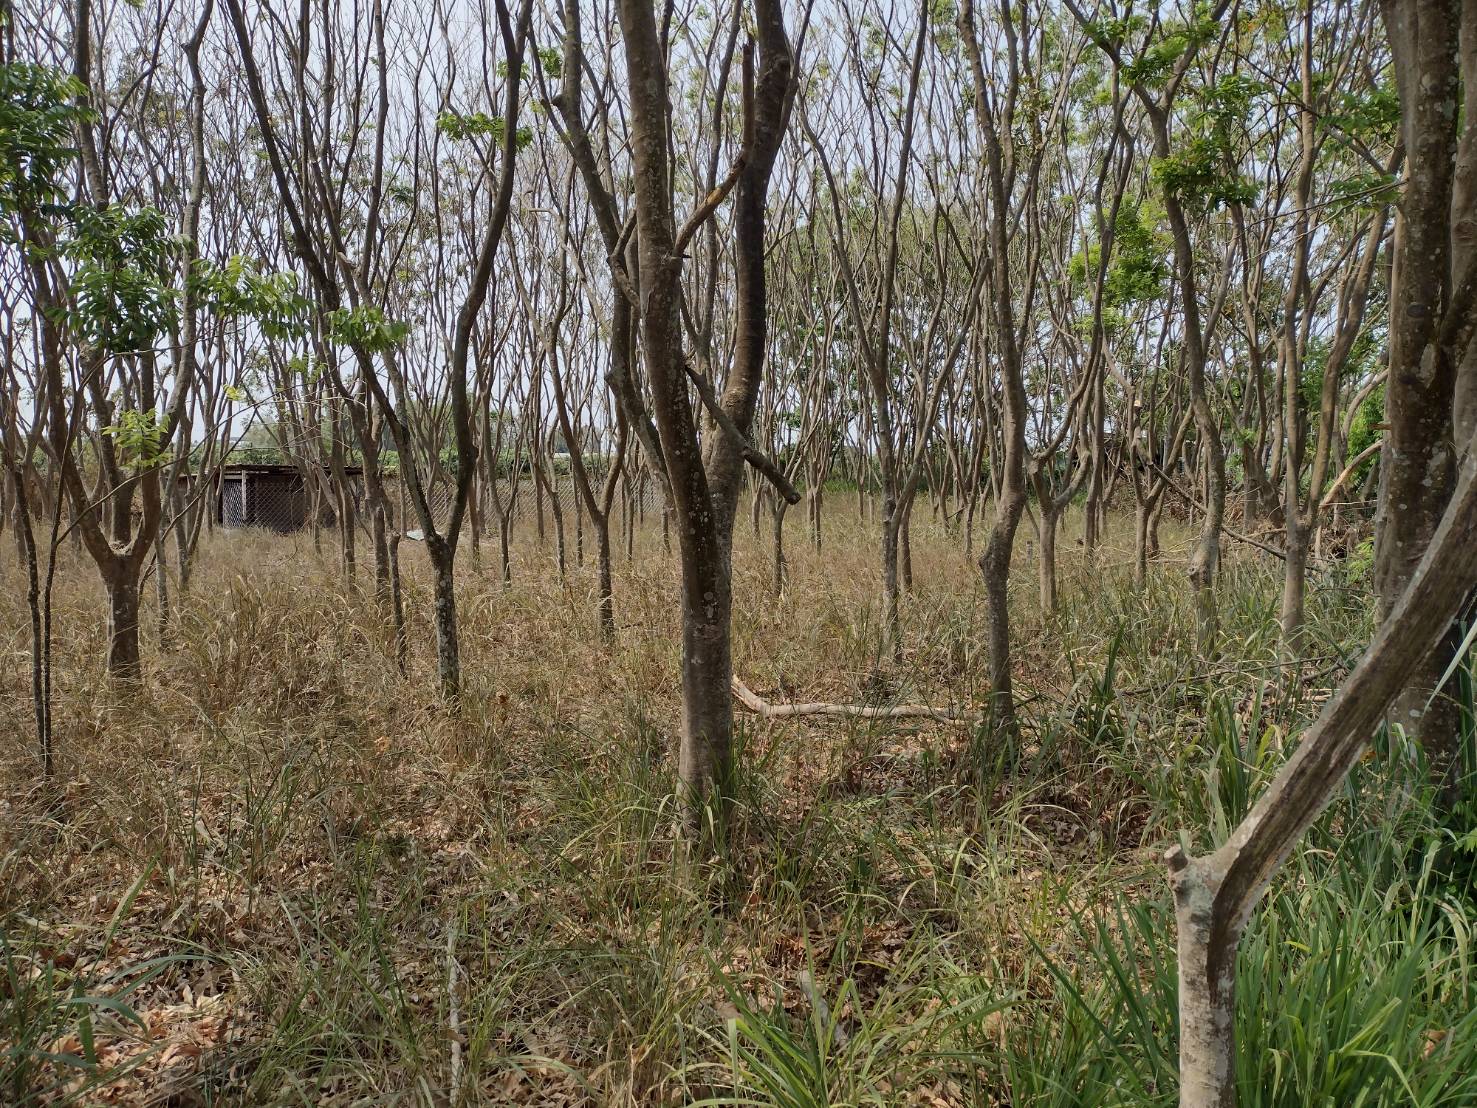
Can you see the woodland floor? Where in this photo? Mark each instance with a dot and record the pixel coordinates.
(282, 873)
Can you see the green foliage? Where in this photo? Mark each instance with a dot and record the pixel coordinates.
(38, 111)
(819, 1061)
(1111, 34)
(239, 288)
(1369, 112)
(366, 327)
(140, 437)
(1202, 172)
(465, 126)
(552, 61)
(123, 296)
(1136, 271)
(46, 1008)
(1364, 429)
(1199, 177)
(1359, 568)
(943, 15)
(1157, 60)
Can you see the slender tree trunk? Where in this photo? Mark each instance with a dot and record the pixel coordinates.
(607, 589)
(40, 700)
(1143, 517)
(780, 507)
(504, 544)
(892, 626)
(994, 566)
(161, 589)
(815, 517)
(905, 545)
(448, 657)
(1294, 579)
(397, 605)
(1047, 567)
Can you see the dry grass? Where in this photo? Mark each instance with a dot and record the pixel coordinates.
(363, 898)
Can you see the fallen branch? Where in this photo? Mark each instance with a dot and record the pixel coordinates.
(761, 707)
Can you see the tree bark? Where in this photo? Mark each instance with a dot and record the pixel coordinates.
(121, 583)
(1418, 460)
(448, 654)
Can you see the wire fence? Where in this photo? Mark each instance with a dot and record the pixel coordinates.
(280, 500)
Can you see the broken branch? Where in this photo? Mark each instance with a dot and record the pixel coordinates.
(761, 707)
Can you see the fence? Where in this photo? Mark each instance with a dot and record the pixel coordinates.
(276, 498)
(522, 500)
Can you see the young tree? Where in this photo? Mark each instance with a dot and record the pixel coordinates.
(704, 477)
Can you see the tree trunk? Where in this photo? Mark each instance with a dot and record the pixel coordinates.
(40, 698)
(397, 605)
(1141, 518)
(607, 589)
(448, 657)
(1418, 463)
(1207, 943)
(1294, 581)
(379, 532)
(1216, 894)
(780, 507)
(579, 530)
(905, 546)
(504, 546)
(1049, 519)
(892, 627)
(161, 589)
(121, 582)
(704, 760)
(994, 566)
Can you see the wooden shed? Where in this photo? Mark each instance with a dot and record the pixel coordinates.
(273, 496)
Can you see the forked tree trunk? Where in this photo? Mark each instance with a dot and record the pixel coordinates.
(703, 478)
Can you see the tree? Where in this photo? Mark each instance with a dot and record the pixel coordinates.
(704, 477)
(1431, 390)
